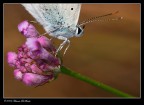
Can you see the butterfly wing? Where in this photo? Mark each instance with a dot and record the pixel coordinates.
(55, 16)
(32, 9)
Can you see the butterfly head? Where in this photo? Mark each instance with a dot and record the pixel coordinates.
(79, 30)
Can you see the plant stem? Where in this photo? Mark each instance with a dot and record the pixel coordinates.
(117, 92)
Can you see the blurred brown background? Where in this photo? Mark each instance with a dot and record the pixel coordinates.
(108, 52)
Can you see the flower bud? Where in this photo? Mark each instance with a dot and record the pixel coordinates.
(11, 58)
(33, 44)
(18, 74)
(32, 79)
(27, 29)
(46, 43)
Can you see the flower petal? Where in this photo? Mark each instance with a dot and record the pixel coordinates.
(35, 69)
(11, 58)
(31, 32)
(46, 43)
(18, 74)
(33, 44)
(23, 26)
(31, 79)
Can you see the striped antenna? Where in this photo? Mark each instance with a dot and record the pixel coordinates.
(95, 18)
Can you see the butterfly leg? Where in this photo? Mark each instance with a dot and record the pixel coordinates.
(44, 34)
(63, 43)
(67, 47)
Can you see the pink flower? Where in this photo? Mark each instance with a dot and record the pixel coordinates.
(35, 63)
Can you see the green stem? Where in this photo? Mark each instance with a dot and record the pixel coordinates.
(69, 72)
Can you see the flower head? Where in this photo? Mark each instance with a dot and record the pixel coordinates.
(35, 63)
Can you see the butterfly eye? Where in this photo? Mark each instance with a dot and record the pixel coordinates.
(79, 31)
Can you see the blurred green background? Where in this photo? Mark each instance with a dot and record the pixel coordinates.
(108, 52)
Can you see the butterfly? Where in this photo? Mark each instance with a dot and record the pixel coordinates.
(60, 20)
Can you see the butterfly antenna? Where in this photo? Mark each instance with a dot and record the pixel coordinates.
(95, 18)
(112, 19)
(33, 21)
